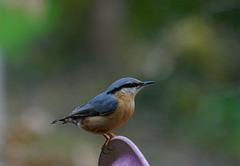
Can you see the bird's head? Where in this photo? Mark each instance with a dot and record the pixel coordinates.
(128, 85)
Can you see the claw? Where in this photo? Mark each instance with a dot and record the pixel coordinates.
(109, 148)
(106, 149)
(108, 137)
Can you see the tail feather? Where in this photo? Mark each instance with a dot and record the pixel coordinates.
(68, 120)
(57, 120)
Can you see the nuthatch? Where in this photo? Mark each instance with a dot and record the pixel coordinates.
(108, 110)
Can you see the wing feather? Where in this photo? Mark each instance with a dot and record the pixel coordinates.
(102, 104)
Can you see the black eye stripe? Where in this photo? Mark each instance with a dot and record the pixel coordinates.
(130, 85)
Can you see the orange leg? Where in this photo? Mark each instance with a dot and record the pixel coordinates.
(111, 134)
(107, 140)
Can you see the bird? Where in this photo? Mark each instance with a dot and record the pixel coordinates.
(108, 110)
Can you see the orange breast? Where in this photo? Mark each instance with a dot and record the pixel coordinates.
(102, 124)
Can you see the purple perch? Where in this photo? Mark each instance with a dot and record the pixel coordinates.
(122, 152)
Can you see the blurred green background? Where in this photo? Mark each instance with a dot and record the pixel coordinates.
(56, 55)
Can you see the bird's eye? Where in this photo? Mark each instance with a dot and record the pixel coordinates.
(129, 85)
(132, 85)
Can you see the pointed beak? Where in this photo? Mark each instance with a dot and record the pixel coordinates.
(146, 83)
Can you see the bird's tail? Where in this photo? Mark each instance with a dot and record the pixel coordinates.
(58, 120)
(67, 120)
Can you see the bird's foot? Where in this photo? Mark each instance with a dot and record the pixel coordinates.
(105, 146)
(107, 140)
(106, 149)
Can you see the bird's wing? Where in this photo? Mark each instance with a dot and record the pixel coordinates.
(102, 104)
(80, 112)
